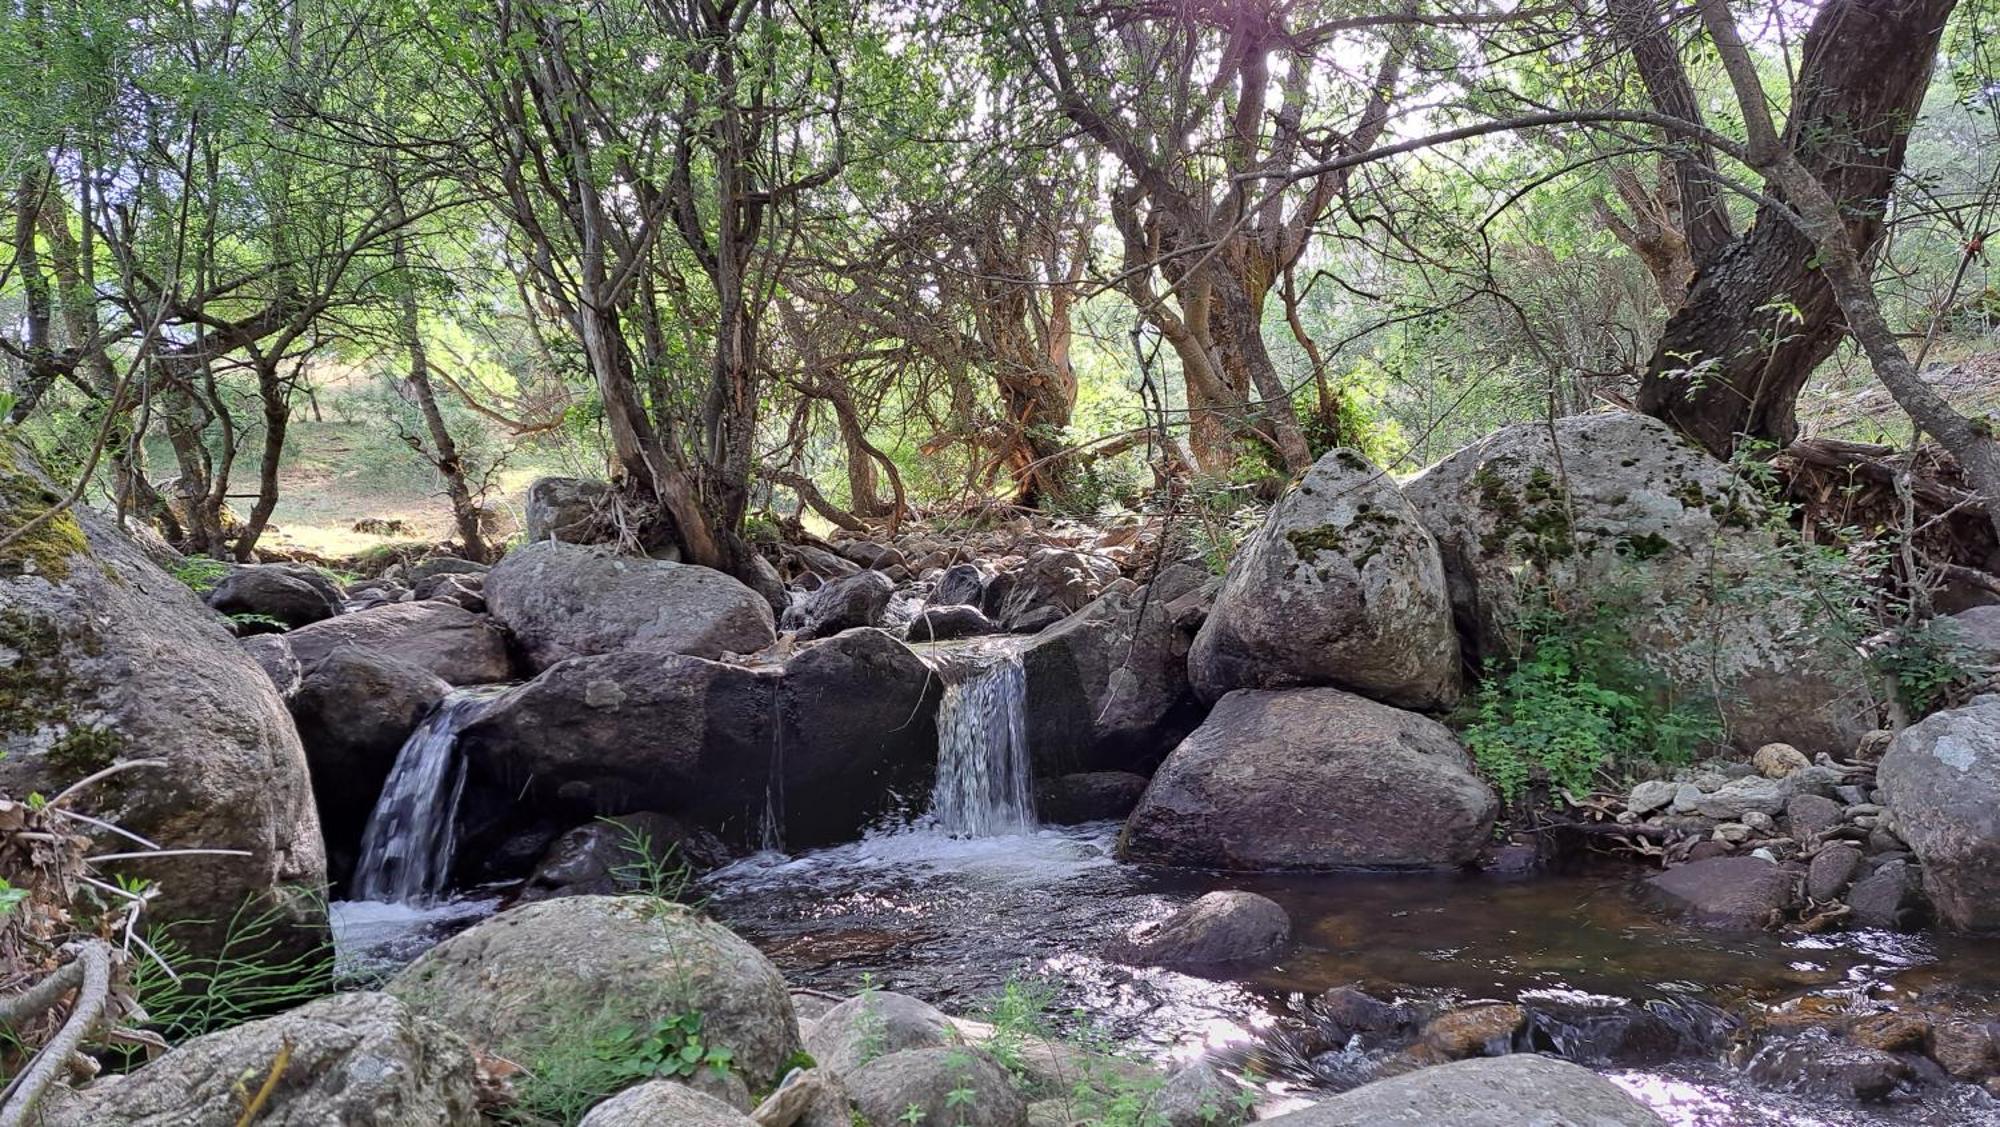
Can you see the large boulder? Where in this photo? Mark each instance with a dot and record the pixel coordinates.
(448, 641)
(959, 1086)
(1312, 779)
(521, 982)
(1051, 580)
(1221, 927)
(664, 1103)
(812, 747)
(354, 711)
(1109, 683)
(843, 604)
(274, 654)
(1942, 781)
(562, 600)
(106, 658)
(1342, 586)
(1512, 1091)
(291, 595)
(579, 510)
(349, 1060)
(1614, 510)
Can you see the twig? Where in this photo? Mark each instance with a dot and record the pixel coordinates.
(255, 1105)
(114, 769)
(26, 1091)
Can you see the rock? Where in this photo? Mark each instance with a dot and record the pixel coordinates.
(467, 591)
(581, 511)
(1775, 761)
(1651, 795)
(615, 855)
(1727, 893)
(1616, 502)
(1810, 816)
(1942, 780)
(1109, 686)
(276, 591)
(355, 709)
(867, 553)
(1832, 871)
(1348, 1010)
(842, 723)
(274, 654)
(421, 571)
(1312, 779)
(560, 601)
(873, 1024)
(350, 1060)
(959, 1086)
(1686, 797)
(942, 624)
(1052, 579)
(1090, 796)
(1966, 1049)
(448, 641)
(1220, 927)
(1342, 586)
(1195, 1096)
(664, 1103)
(855, 600)
(1519, 1090)
(1035, 620)
(515, 983)
(1888, 897)
(105, 658)
(1740, 796)
(1892, 1032)
(1474, 1031)
(1978, 632)
(962, 585)
(1815, 1062)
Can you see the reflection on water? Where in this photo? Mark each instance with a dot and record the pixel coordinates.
(373, 939)
(951, 920)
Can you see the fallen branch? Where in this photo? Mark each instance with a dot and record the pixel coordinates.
(26, 1091)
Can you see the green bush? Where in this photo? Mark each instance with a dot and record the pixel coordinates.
(1578, 705)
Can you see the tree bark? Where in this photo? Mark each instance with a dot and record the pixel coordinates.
(1761, 314)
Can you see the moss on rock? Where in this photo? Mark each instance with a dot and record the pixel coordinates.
(47, 549)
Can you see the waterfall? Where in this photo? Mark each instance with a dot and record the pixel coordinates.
(406, 851)
(984, 780)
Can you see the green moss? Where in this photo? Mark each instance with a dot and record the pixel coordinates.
(1360, 540)
(1535, 524)
(1348, 459)
(1689, 494)
(49, 548)
(1645, 545)
(84, 751)
(39, 694)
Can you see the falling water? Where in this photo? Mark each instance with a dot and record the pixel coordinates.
(984, 785)
(406, 851)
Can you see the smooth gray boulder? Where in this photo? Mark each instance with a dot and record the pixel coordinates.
(818, 741)
(946, 623)
(962, 585)
(664, 1103)
(563, 600)
(1342, 586)
(959, 1086)
(1942, 781)
(874, 1024)
(1051, 579)
(105, 658)
(274, 654)
(516, 983)
(1521, 1090)
(1313, 779)
(1616, 508)
(1218, 928)
(292, 595)
(842, 604)
(449, 641)
(1109, 683)
(350, 1060)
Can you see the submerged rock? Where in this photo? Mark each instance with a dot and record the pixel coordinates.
(516, 983)
(1220, 927)
(448, 641)
(1313, 779)
(106, 658)
(1614, 507)
(1729, 893)
(1816, 1062)
(1509, 1091)
(1942, 781)
(1342, 586)
(562, 601)
(349, 1060)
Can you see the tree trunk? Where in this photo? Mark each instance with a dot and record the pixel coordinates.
(1760, 315)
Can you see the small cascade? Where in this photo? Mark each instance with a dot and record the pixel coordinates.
(406, 851)
(984, 777)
